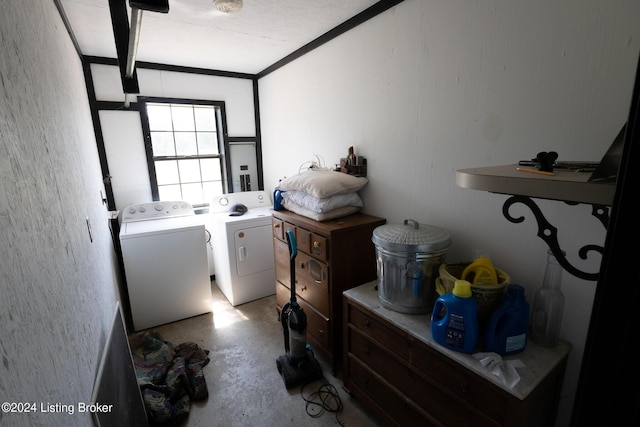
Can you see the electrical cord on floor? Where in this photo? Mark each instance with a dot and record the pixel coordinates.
(326, 398)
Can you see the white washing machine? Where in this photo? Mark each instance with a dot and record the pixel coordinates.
(165, 260)
(243, 246)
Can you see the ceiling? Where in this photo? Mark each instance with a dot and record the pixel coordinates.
(194, 34)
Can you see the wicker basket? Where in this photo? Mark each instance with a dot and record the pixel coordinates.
(488, 297)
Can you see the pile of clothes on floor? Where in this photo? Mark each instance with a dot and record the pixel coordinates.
(170, 376)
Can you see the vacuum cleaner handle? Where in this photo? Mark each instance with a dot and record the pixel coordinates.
(293, 252)
(291, 241)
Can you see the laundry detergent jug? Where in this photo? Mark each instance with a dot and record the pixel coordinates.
(507, 327)
(454, 320)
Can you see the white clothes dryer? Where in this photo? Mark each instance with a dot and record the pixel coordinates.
(165, 261)
(243, 246)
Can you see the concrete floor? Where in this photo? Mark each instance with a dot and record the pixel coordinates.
(245, 388)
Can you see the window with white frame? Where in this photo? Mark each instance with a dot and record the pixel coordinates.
(185, 140)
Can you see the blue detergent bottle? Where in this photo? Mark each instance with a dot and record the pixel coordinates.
(507, 327)
(454, 320)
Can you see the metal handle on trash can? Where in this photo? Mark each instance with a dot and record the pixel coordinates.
(416, 225)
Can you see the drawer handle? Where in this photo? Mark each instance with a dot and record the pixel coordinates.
(316, 244)
(304, 288)
(463, 387)
(320, 332)
(302, 265)
(366, 323)
(276, 226)
(315, 271)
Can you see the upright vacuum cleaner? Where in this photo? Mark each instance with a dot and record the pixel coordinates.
(298, 366)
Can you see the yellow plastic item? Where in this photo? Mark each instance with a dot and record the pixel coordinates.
(462, 289)
(480, 271)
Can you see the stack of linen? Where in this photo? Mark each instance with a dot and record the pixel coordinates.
(321, 194)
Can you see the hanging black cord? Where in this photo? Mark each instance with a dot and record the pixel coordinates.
(326, 398)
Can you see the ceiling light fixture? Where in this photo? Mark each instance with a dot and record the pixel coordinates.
(134, 38)
(228, 6)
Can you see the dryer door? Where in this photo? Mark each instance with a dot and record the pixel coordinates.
(253, 250)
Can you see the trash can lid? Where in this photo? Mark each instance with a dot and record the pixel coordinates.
(411, 237)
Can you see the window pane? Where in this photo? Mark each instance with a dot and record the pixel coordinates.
(208, 143)
(205, 118)
(167, 172)
(159, 117)
(169, 192)
(184, 130)
(210, 169)
(189, 170)
(162, 143)
(186, 144)
(211, 189)
(193, 193)
(182, 117)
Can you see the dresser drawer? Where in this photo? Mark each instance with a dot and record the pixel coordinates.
(303, 240)
(319, 247)
(278, 228)
(317, 325)
(379, 332)
(443, 405)
(460, 382)
(312, 277)
(286, 226)
(398, 410)
(312, 282)
(282, 261)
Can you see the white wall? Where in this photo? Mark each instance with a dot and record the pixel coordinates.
(122, 131)
(236, 92)
(430, 87)
(57, 295)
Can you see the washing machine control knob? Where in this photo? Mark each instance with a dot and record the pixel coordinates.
(158, 207)
(142, 209)
(132, 210)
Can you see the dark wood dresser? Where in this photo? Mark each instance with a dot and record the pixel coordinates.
(393, 366)
(333, 256)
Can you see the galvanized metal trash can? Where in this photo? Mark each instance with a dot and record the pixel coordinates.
(408, 257)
